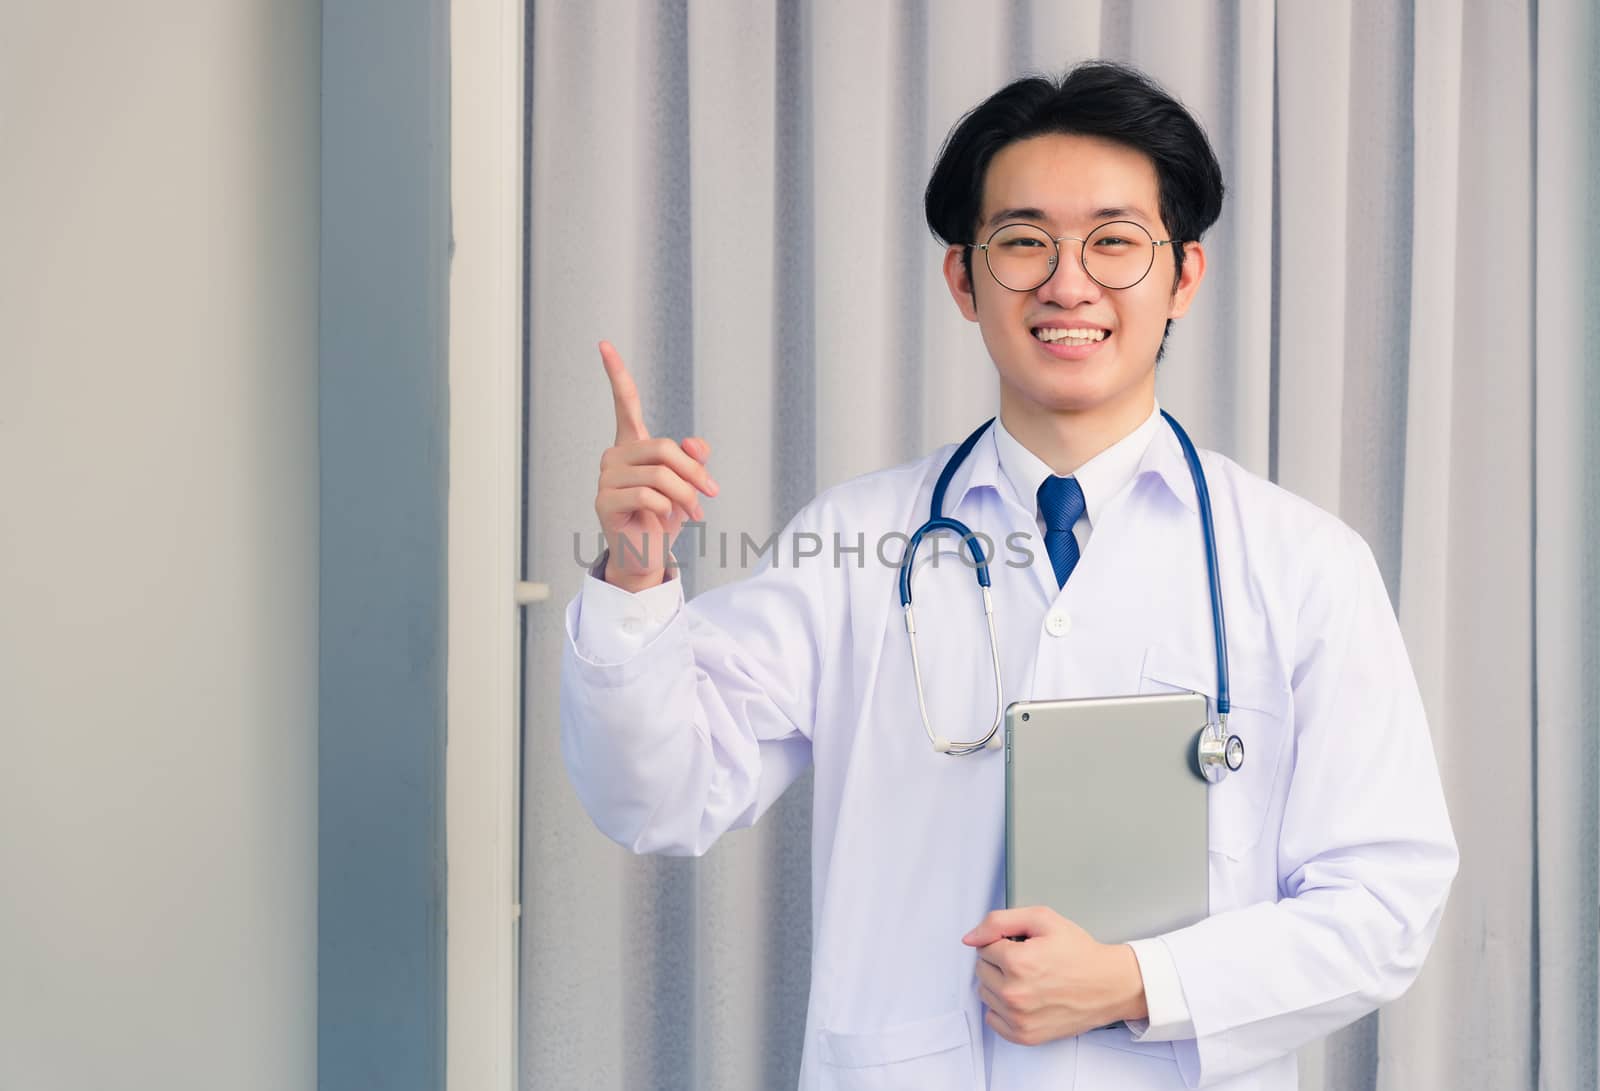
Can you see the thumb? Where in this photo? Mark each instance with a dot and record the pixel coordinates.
(1000, 923)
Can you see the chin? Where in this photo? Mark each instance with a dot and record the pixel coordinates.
(1078, 390)
(1058, 397)
(1072, 405)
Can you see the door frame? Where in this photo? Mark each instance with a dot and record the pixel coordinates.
(483, 690)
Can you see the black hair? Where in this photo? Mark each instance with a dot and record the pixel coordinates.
(1103, 99)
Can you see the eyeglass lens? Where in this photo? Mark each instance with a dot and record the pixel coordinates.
(1116, 255)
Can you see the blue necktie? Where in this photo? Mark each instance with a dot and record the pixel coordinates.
(1060, 506)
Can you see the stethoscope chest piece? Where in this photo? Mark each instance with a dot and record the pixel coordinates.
(1218, 753)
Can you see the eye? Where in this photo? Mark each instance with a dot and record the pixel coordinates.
(1112, 242)
(1020, 240)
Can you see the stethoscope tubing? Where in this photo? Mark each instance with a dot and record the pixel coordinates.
(938, 521)
(1208, 532)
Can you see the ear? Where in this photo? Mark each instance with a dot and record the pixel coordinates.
(1194, 271)
(960, 284)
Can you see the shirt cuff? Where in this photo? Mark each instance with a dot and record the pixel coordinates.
(1163, 994)
(612, 625)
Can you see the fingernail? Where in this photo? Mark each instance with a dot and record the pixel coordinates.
(712, 487)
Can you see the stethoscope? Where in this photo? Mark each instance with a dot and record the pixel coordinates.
(1217, 752)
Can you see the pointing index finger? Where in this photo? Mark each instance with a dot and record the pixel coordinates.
(624, 395)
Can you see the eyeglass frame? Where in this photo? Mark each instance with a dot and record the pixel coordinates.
(1083, 253)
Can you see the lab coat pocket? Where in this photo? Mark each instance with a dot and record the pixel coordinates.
(1103, 1063)
(931, 1055)
(1239, 806)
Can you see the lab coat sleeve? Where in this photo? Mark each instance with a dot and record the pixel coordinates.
(697, 720)
(610, 625)
(1365, 856)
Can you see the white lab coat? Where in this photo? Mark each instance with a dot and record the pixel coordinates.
(1331, 851)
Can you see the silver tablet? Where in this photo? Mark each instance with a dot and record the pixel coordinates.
(1106, 812)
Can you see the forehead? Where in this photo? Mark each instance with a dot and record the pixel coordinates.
(1070, 178)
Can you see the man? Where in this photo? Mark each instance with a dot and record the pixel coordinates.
(1072, 212)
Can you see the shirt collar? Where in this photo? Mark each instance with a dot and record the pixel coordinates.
(1101, 478)
(1163, 457)
(980, 469)
(999, 461)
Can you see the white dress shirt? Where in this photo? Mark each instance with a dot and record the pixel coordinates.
(1102, 480)
(1331, 852)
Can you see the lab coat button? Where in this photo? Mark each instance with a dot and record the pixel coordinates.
(631, 625)
(1058, 623)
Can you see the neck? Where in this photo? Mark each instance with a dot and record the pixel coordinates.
(1064, 439)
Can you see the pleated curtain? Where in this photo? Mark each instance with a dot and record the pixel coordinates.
(1399, 322)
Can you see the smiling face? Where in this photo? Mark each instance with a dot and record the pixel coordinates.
(1072, 350)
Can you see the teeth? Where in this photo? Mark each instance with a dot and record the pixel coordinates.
(1073, 337)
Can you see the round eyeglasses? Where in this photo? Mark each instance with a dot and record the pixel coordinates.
(1116, 255)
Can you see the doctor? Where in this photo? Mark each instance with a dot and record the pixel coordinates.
(1330, 850)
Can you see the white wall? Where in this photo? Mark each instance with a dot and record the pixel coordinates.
(158, 544)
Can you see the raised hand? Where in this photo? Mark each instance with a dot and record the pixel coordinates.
(648, 487)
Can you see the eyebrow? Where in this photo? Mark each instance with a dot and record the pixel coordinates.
(1015, 214)
(1099, 215)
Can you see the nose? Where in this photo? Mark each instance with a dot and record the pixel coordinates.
(1071, 283)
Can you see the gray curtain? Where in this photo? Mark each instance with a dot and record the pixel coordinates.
(1399, 323)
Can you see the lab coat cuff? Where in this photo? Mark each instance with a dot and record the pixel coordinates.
(609, 626)
(1169, 1018)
